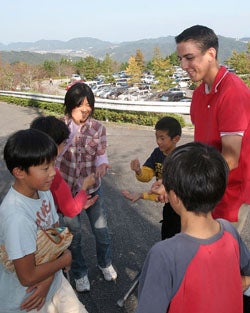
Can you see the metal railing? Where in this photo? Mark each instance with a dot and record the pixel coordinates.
(143, 106)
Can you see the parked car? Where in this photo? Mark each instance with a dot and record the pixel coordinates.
(186, 100)
(172, 97)
(115, 93)
(92, 83)
(121, 82)
(148, 79)
(74, 82)
(155, 96)
(100, 89)
(75, 77)
(125, 95)
(135, 95)
(176, 90)
(105, 92)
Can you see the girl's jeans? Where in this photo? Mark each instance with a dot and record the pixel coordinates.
(97, 216)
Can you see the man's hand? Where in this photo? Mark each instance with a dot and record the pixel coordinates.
(245, 282)
(133, 196)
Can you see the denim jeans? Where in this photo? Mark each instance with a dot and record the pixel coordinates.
(97, 216)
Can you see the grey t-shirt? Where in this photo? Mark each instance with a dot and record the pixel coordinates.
(20, 218)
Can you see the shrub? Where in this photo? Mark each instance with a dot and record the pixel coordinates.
(133, 117)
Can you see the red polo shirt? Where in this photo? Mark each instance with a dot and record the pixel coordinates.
(225, 109)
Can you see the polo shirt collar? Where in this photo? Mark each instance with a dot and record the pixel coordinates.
(218, 79)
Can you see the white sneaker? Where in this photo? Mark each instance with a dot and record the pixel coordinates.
(109, 272)
(82, 284)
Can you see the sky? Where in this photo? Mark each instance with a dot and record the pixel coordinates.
(118, 21)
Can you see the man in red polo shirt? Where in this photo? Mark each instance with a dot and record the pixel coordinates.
(220, 112)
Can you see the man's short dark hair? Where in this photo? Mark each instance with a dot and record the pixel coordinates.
(75, 95)
(29, 147)
(197, 173)
(170, 125)
(52, 126)
(204, 36)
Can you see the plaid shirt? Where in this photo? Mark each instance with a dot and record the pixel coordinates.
(78, 159)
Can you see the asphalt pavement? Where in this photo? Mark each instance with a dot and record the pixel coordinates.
(134, 227)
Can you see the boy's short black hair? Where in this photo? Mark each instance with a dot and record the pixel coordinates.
(204, 36)
(170, 125)
(75, 95)
(29, 147)
(52, 126)
(197, 173)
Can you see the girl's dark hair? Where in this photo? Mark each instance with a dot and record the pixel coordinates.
(197, 173)
(75, 95)
(29, 147)
(204, 36)
(170, 125)
(52, 126)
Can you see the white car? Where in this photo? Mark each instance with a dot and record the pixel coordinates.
(75, 77)
(176, 90)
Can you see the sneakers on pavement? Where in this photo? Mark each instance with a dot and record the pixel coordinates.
(82, 284)
(109, 272)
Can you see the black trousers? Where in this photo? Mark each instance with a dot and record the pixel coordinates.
(171, 222)
(246, 304)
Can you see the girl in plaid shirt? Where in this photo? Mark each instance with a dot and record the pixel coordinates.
(83, 154)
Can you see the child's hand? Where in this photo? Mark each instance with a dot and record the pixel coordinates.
(90, 201)
(159, 189)
(37, 296)
(67, 258)
(66, 269)
(88, 181)
(135, 166)
(132, 196)
(101, 170)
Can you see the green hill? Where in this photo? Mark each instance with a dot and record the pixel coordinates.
(37, 52)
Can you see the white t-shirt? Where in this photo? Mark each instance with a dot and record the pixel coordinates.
(20, 218)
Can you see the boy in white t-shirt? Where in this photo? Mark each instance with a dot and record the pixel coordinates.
(27, 207)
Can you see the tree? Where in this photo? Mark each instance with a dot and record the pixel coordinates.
(6, 77)
(24, 74)
(149, 66)
(139, 58)
(133, 70)
(173, 59)
(123, 66)
(241, 63)
(16, 75)
(64, 67)
(89, 67)
(106, 65)
(107, 68)
(162, 70)
(49, 68)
